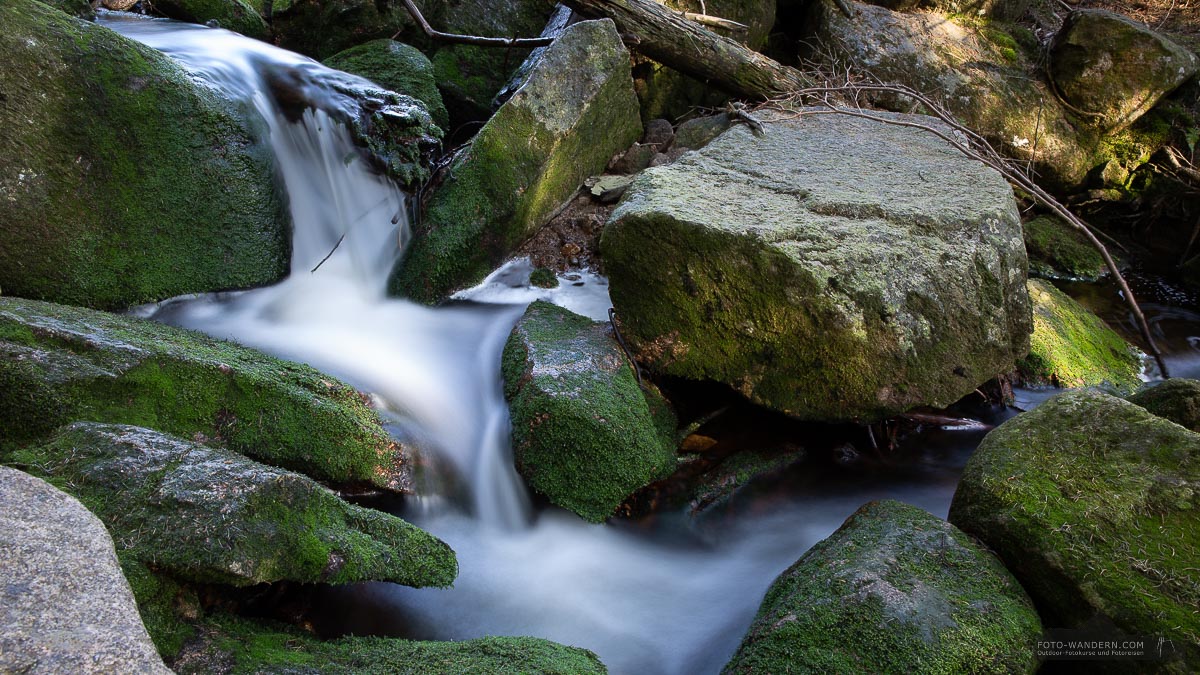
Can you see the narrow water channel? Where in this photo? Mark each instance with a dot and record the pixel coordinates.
(670, 592)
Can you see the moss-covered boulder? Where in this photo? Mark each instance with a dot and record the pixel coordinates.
(574, 112)
(240, 645)
(986, 73)
(1176, 399)
(62, 364)
(122, 180)
(1092, 503)
(209, 515)
(1071, 347)
(584, 433)
(80, 8)
(1058, 251)
(819, 277)
(235, 15)
(894, 590)
(322, 28)
(1113, 69)
(64, 606)
(397, 67)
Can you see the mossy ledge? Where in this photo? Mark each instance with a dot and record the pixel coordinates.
(122, 181)
(60, 364)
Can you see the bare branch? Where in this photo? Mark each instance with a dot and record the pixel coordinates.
(471, 39)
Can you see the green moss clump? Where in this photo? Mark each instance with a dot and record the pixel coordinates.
(396, 67)
(584, 433)
(1057, 251)
(163, 604)
(61, 364)
(1091, 502)
(1071, 347)
(894, 590)
(80, 8)
(529, 159)
(208, 515)
(543, 278)
(122, 180)
(257, 647)
(235, 15)
(1176, 399)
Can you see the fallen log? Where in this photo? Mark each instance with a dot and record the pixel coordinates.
(670, 38)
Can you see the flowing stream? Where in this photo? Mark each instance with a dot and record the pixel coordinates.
(669, 593)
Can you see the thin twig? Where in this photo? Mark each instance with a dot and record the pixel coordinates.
(470, 39)
(612, 319)
(335, 247)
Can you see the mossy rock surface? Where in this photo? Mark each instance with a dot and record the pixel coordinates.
(396, 67)
(1176, 399)
(1113, 69)
(208, 515)
(1058, 251)
(584, 433)
(235, 15)
(322, 28)
(80, 8)
(62, 364)
(64, 606)
(121, 180)
(1092, 503)
(574, 112)
(238, 645)
(1071, 347)
(894, 590)
(758, 262)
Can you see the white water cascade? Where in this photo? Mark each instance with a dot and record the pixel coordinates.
(664, 595)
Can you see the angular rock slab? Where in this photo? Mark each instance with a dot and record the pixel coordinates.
(584, 433)
(62, 364)
(122, 181)
(575, 110)
(64, 605)
(1094, 505)
(1113, 69)
(834, 268)
(213, 516)
(893, 590)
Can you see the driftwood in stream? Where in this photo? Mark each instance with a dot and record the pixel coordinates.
(670, 38)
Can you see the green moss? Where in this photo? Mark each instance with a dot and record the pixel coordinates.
(235, 15)
(894, 590)
(1058, 251)
(396, 67)
(255, 647)
(322, 28)
(163, 603)
(584, 433)
(210, 516)
(63, 364)
(122, 180)
(1092, 503)
(1071, 347)
(543, 278)
(1176, 399)
(80, 8)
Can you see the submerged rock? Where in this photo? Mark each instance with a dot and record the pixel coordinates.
(893, 590)
(1112, 69)
(209, 515)
(819, 276)
(121, 180)
(1071, 347)
(235, 15)
(64, 606)
(62, 364)
(396, 67)
(584, 433)
(574, 112)
(1176, 399)
(1091, 502)
(242, 645)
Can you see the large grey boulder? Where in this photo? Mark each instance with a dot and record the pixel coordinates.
(575, 110)
(209, 515)
(585, 434)
(62, 364)
(122, 180)
(833, 268)
(894, 590)
(1113, 69)
(1092, 503)
(64, 605)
